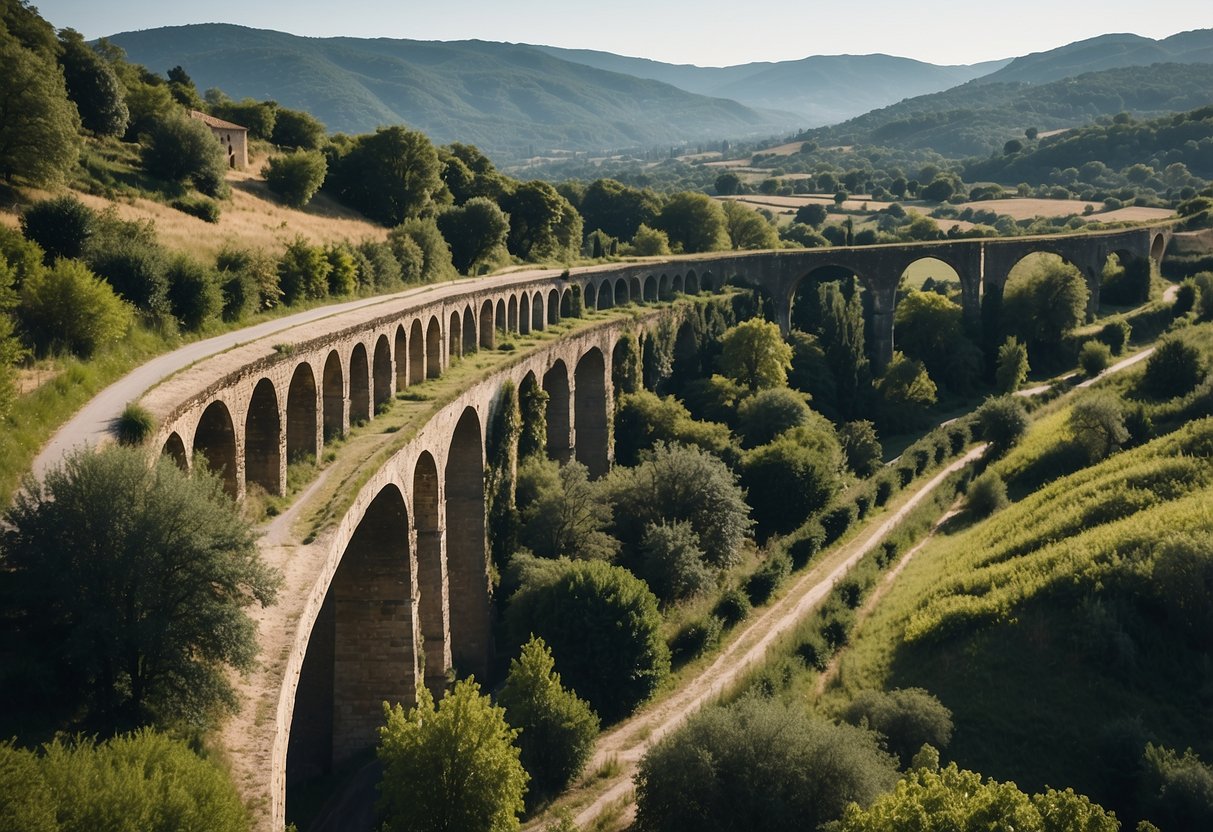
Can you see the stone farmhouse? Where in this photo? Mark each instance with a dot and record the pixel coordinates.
(233, 137)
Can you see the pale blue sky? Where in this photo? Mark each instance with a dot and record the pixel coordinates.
(707, 32)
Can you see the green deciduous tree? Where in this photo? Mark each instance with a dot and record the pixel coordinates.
(450, 767)
(768, 413)
(1176, 789)
(642, 419)
(193, 292)
(390, 175)
(843, 341)
(128, 584)
(907, 718)
(812, 214)
(68, 307)
(296, 177)
(1045, 304)
(649, 242)
(617, 209)
(861, 447)
(476, 232)
(789, 479)
(754, 354)
(93, 86)
(1003, 421)
(563, 513)
(39, 126)
(1094, 358)
(297, 129)
(1173, 369)
(671, 562)
(758, 764)
(1012, 366)
(303, 272)
(558, 729)
(746, 228)
(543, 224)
(906, 390)
(418, 243)
(604, 630)
(183, 149)
(987, 494)
(1097, 423)
(693, 221)
(62, 226)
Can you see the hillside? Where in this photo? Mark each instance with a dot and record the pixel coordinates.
(979, 117)
(821, 89)
(509, 100)
(1106, 52)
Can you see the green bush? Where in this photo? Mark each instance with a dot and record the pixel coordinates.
(1002, 422)
(1094, 358)
(62, 225)
(136, 268)
(695, 638)
(809, 540)
(672, 562)
(769, 577)
(68, 307)
(884, 490)
(1012, 366)
(861, 446)
(134, 426)
(786, 481)
(296, 177)
(604, 630)
(768, 413)
(1115, 334)
(202, 208)
(1176, 790)
(987, 494)
(193, 292)
(303, 272)
(907, 718)
(183, 150)
(1173, 369)
(733, 607)
(837, 521)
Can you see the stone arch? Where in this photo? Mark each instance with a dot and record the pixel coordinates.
(566, 303)
(302, 428)
(469, 332)
(650, 289)
(383, 372)
(361, 649)
(511, 314)
(416, 353)
(215, 440)
(690, 283)
(1158, 247)
(556, 385)
(665, 289)
(174, 449)
(590, 413)
(467, 564)
(589, 297)
(1022, 266)
(433, 620)
(401, 353)
(678, 284)
(486, 325)
(918, 270)
(454, 336)
(606, 295)
(623, 292)
(802, 299)
(524, 314)
(553, 307)
(433, 349)
(537, 319)
(334, 397)
(360, 386)
(636, 290)
(686, 357)
(263, 439)
(707, 282)
(502, 322)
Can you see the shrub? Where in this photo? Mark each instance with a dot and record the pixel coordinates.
(695, 638)
(815, 651)
(769, 577)
(1094, 358)
(907, 718)
(987, 494)
(758, 764)
(810, 539)
(1186, 297)
(193, 292)
(1003, 421)
(861, 446)
(1176, 790)
(604, 631)
(1012, 366)
(558, 729)
(1173, 369)
(202, 208)
(61, 225)
(768, 413)
(68, 307)
(1097, 423)
(786, 481)
(303, 272)
(183, 150)
(884, 490)
(837, 521)
(958, 437)
(1115, 334)
(732, 608)
(296, 177)
(256, 269)
(672, 562)
(135, 267)
(1204, 282)
(134, 426)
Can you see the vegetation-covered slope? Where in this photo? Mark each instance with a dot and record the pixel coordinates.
(505, 98)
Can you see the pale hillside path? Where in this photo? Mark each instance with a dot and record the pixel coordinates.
(629, 741)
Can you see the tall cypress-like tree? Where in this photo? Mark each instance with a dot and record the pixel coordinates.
(842, 335)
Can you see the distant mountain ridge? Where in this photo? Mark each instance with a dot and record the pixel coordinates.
(505, 98)
(1106, 52)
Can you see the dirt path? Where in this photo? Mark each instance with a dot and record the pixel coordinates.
(628, 741)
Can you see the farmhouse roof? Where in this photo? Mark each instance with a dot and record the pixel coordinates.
(211, 121)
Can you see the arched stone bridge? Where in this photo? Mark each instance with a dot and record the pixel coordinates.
(394, 590)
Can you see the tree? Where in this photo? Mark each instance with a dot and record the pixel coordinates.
(303, 272)
(861, 447)
(907, 391)
(475, 231)
(10, 347)
(39, 127)
(768, 413)
(758, 764)
(842, 340)
(671, 562)
(604, 630)
(1094, 358)
(642, 419)
(929, 328)
(1173, 369)
(558, 729)
(259, 117)
(296, 177)
(182, 149)
(1177, 789)
(183, 90)
(907, 718)
(92, 86)
(297, 129)
(789, 479)
(1012, 366)
(674, 483)
(987, 494)
(727, 183)
(649, 242)
(618, 209)
(539, 225)
(420, 237)
(754, 354)
(954, 800)
(390, 175)
(747, 229)
(813, 214)
(563, 513)
(1046, 303)
(129, 582)
(62, 226)
(938, 190)
(193, 292)
(68, 307)
(694, 222)
(450, 767)
(1097, 423)
(1003, 421)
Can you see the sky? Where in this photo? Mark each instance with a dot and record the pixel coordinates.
(706, 32)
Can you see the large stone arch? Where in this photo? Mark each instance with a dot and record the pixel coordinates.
(433, 349)
(360, 653)
(174, 449)
(1158, 247)
(589, 298)
(591, 409)
(360, 386)
(467, 564)
(433, 604)
(649, 293)
(454, 336)
(468, 345)
(560, 428)
(401, 354)
(623, 292)
(524, 313)
(678, 285)
(553, 307)
(486, 325)
(690, 284)
(383, 372)
(502, 322)
(606, 294)
(302, 407)
(566, 303)
(636, 290)
(416, 352)
(537, 318)
(334, 397)
(263, 439)
(511, 314)
(215, 440)
(707, 282)
(665, 289)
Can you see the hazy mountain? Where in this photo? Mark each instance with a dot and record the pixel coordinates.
(822, 89)
(1107, 52)
(507, 99)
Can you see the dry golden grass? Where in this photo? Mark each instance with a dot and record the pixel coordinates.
(1026, 209)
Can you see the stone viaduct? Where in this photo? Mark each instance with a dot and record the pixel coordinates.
(394, 591)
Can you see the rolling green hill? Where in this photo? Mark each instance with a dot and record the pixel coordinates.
(509, 100)
(821, 89)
